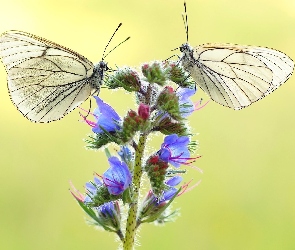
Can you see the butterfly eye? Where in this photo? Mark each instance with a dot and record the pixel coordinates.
(104, 66)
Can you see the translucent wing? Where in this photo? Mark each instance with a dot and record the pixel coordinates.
(45, 80)
(236, 76)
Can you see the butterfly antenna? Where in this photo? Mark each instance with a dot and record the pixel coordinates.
(116, 47)
(120, 24)
(184, 18)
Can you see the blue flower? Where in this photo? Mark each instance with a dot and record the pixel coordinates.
(125, 154)
(167, 194)
(170, 193)
(92, 188)
(109, 215)
(174, 181)
(106, 117)
(154, 207)
(186, 106)
(174, 150)
(118, 177)
(113, 182)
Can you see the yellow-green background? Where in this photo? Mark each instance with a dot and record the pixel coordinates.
(246, 198)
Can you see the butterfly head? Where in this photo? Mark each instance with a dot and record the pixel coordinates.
(187, 59)
(100, 69)
(187, 50)
(103, 66)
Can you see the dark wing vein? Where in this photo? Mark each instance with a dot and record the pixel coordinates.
(207, 70)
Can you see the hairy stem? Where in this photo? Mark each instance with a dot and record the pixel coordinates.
(131, 224)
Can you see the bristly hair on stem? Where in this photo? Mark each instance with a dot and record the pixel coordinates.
(163, 91)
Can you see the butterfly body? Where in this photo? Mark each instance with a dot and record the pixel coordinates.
(46, 81)
(236, 76)
(96, 79)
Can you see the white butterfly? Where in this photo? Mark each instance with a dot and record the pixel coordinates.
(46, 81)
(235, 76)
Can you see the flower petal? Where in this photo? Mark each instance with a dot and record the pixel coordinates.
(117, 178)
(185, 104)
(168, 194)
(174, 181)
(106, 117)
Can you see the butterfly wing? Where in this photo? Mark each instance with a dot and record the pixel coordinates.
(236, 76)
(45, 80)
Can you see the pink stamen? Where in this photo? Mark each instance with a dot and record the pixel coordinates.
(117, 183)
(184, 160)
(90, 123)
(121, 186)
(184, 188)
(76, 193)
(87, 111)
(179, 159)
(198, 103)
(196, 168)
(191, 188)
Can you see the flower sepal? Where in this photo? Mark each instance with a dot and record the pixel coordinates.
(133, 123)
(154, 73)
(176, 73)
(89, 212)
(97, 217)
(125, 78)
(167, 126)
(126, 155)
(109, 216)
(101, 196)
(97, 141)
(153, 208)
(168, 102)
(156, 170)
(127, 196)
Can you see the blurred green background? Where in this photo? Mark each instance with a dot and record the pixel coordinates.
(246, 198)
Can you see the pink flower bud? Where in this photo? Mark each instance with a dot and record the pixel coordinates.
(144, 111)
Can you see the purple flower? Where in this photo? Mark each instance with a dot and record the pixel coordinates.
(170, 193)
(152, 203)
(114, 181)
(186, 106)
(153, 207)
(117, 178)
(167, 195)
(109, 214)
(105, 116)
(174, 150)
(174, 181)
(92, 188)
(125, 154)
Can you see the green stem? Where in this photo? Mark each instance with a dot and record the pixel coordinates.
(131, 220)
